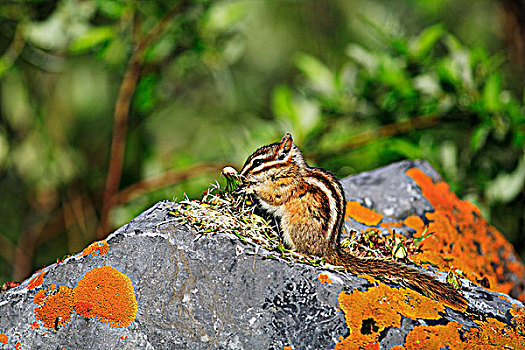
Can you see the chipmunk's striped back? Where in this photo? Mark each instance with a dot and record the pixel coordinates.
(310, 203)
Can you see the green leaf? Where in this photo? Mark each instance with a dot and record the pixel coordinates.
(424, 235)
(421, 45)
(492, 92)
(478, 137)
(403, 147)
(222, 16)
(447, 73)
(456, 68)
(319, 76)
(111, 8)
(392, 71)
(4, 148)
(282, 103)
(362, 57)
(453, 44)
(428, 84)
(454, 280)
(506, 186)
(145, 99)
(297, 113)
(116, 52)
(91, 38)
(448, 152)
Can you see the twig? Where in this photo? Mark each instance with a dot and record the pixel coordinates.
(163, 180)
(383, 132)
(79, 211)
(25, 249)
(121, 113)
(14, 49)
(6, 249)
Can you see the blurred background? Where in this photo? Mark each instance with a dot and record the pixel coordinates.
(107, 106)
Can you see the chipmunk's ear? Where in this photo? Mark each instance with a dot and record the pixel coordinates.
(286, 144)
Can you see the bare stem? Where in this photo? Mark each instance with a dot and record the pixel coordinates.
(121, 114)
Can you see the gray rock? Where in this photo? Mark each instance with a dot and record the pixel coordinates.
(388, 191)
(212, 292)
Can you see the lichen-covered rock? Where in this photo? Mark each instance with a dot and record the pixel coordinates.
(407, 196)
(157, 284)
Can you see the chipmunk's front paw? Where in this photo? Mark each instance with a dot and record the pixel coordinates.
(230, 173)
(233, 180)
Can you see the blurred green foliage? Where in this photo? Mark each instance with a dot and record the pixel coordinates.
(360, 84)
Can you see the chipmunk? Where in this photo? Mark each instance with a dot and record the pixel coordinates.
(310, 204)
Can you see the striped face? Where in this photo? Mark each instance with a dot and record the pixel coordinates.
(268, 163)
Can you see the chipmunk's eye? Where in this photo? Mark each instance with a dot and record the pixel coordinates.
(257, 162)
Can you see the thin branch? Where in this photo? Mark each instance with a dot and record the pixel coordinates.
(7, 249)
(383, 132)
(20, 256)
(25, 249)
(166, 179)
(513, 22)
(14, 49)
(121, 113)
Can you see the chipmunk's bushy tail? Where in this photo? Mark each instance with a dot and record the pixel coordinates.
(397, 272)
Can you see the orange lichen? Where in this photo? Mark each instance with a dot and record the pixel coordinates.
(391, 224)
(324, 279)
(288, 347)
(84, 309)
(490, 334)
(99, 248)
(18, 346)
(369, 278)
(414, 222)
(36, 281)
(372, 346)
(3, 338)
(368, 313)
(493, 334)
(124, 338)
(361, 214)
(109, 293)
(518, 319)
(56, 309)
(463, 239)
(434, 337)
(34, 325)
(397, 347)
(40, 296)
(104, 293)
